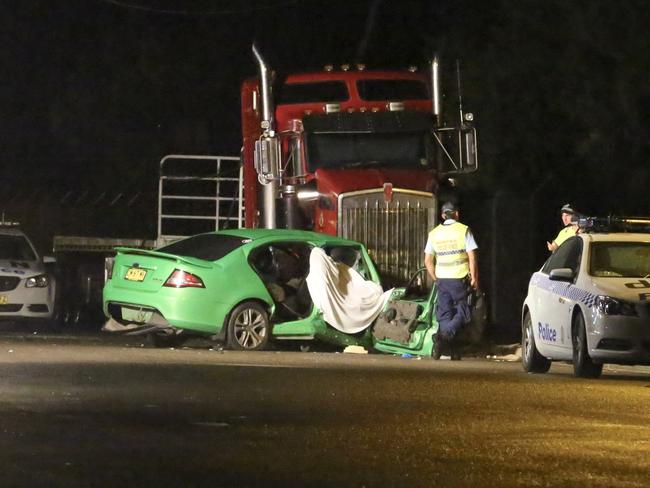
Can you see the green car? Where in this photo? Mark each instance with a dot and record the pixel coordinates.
(249, 286)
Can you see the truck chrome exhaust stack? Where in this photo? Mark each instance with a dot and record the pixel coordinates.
(267, 148)
(435, 88)
(265, 86)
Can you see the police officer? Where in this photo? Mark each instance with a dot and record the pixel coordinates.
(569, 230)
(451, 259)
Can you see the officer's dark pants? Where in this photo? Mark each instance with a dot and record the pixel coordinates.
(452, 310)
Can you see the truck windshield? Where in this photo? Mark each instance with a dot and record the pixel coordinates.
(321, 91)
(346, 150)
(16, 248)
(204, 246)
(396, 90)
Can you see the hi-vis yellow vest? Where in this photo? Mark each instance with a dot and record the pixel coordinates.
(448, 243)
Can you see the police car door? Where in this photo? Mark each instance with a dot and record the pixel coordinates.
(553, 329)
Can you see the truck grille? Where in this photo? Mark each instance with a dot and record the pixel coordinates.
(394, 230)
(8, 283)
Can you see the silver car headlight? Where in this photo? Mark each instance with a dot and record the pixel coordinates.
(38, 281)
(613, 306)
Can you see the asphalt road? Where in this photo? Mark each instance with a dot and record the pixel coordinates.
(94, 411)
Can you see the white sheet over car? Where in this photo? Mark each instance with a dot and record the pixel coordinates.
(349, 303)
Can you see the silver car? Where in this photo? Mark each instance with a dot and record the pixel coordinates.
(27, 290)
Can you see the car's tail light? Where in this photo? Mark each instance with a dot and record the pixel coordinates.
(181, 279)
(39, 281)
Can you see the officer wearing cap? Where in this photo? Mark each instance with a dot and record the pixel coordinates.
(569, 230)
(451, 260)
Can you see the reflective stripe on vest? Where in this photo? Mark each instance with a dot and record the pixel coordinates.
(448, 243)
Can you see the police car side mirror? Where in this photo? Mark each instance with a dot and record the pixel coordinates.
(49, 259)
(562, 274)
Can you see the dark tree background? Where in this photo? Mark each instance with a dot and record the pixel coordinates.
(95, 92)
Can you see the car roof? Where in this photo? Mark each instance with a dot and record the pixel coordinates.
(616, 237)
(256, 234)
(11, 231)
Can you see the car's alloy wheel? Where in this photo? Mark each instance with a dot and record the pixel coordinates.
(248, 327)
(532, 360)
(583, 366)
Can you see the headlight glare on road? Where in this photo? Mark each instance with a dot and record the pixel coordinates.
(613, 306)
(38, 281)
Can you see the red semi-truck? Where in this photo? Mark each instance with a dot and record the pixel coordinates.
(353, 152)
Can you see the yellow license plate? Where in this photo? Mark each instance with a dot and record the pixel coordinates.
(3, 300)
(135, 274)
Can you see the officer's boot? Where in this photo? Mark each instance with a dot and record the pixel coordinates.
(437, 347)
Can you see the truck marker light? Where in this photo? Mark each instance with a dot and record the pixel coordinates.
(332, 108)
(182, 279)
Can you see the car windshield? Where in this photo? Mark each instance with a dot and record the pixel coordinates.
(620, 259)
(16, 247)
(205, 246)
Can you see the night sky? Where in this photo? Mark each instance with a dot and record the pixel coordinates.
(94, 92)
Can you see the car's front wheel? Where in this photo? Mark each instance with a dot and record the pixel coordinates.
(532, 360)
(249, 328)
(583, 366)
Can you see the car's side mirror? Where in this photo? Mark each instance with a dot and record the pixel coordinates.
(49, 259)
(562, 274)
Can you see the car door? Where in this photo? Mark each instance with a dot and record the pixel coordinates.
(554, 300)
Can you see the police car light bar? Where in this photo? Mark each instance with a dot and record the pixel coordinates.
(6, 223)
(614, 224)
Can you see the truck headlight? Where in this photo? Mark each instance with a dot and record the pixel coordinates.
(38, 281)
(613, 306)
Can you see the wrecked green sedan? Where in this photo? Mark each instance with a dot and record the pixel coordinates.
(248, 287)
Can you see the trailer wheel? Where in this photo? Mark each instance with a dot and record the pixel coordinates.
(249, 328)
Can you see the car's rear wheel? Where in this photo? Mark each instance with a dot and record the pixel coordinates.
(532, 360)
(249, 327)
(583, 366)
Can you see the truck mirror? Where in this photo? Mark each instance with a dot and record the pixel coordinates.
(457, 151)
(267, 158)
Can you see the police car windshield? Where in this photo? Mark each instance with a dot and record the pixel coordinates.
(620, 259)
(16, 248)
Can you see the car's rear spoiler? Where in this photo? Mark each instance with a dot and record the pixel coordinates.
(201, 263)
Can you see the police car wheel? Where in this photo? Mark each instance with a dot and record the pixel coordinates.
(532, 360)
(583, 366)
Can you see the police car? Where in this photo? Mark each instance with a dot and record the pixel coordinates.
(590, 302)
(26, 289)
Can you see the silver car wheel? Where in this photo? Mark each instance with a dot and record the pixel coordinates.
(248, 327)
